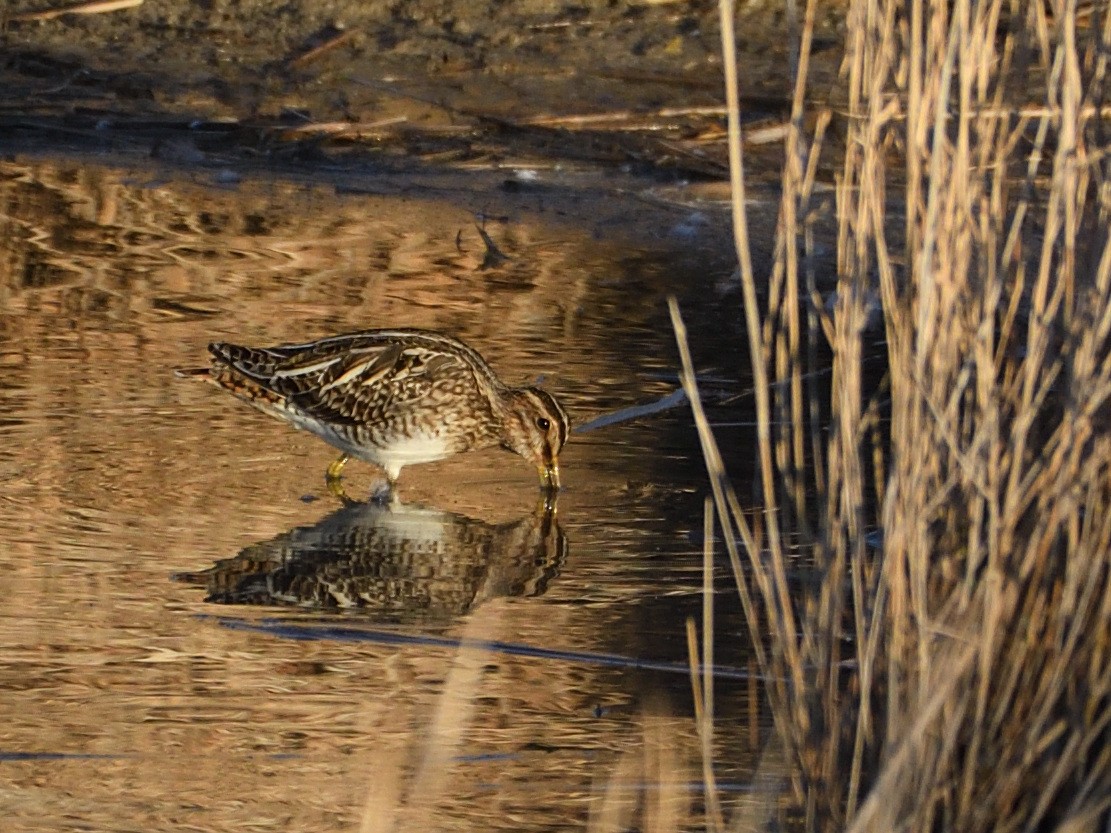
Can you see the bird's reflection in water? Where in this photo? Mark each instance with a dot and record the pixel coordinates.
(393, 559)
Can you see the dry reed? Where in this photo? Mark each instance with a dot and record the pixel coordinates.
(957, 675)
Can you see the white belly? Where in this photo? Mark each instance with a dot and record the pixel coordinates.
(403, 451)
(420, 449)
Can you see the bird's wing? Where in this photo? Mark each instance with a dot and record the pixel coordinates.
(366, 384)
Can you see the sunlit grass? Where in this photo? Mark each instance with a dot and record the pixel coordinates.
(956, 676)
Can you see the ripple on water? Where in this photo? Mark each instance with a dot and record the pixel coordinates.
(130, 702)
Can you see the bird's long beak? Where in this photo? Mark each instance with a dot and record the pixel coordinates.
(549, 476)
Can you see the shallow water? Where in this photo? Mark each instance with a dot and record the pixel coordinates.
(197, 636)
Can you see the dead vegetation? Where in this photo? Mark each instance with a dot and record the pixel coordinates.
(954, 675)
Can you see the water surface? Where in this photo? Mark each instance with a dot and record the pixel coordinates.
(197, 636)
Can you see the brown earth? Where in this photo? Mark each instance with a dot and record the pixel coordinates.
(633, 84)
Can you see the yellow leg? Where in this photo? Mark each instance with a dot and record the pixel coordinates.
(333, 477)
(334, 480)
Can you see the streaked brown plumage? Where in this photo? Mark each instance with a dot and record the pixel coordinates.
(394, 558)
(394, 397)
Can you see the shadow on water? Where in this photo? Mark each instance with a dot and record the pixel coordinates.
(401, 562)
(116, 476)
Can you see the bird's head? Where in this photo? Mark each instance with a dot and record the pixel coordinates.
(536, 427)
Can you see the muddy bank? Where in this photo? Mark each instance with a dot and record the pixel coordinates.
(612, 84)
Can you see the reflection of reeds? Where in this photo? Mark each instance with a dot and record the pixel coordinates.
(416, 785)
(956, 676)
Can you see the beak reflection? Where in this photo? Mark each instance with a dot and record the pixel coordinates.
(549, 476)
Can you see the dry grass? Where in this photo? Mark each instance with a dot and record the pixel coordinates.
(957, 677)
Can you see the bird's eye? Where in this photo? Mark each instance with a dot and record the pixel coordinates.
(543, 424)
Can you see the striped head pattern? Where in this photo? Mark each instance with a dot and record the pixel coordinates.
(536, 427)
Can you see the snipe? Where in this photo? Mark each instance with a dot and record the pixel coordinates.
(393, 398)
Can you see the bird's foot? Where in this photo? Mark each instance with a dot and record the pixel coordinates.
(383, 493)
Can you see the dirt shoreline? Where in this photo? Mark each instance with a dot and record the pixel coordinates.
(614, 83)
